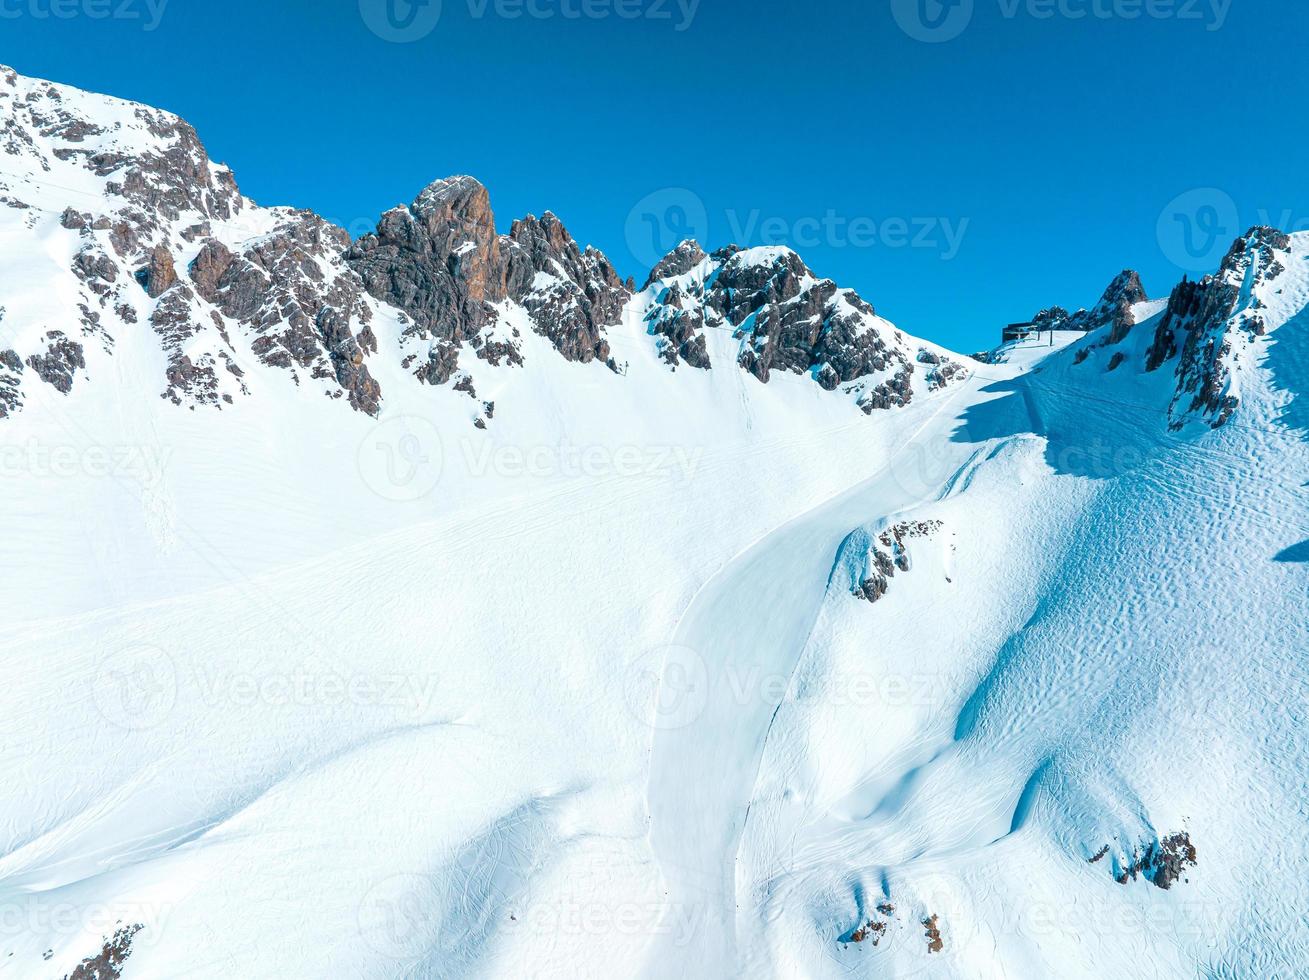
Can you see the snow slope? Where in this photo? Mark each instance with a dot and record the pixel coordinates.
(669, 670)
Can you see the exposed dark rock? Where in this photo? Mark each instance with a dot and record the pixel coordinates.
(681, 260)
(933, 930)
(300, 301)
(90, 264)
(11, 379)
(1114, 310)
(1115, 306)
(167, 184)
(888, 553)
(158, 273)
(207, 269)
(677, 316)
(872, 929)
(876, 577)
(438, 260)
(793, 322)
(441, 363)
(895, 392)
(570, 295)
(62, 359)
(1202, 321)
(942, 371)
(108, 963)
(189, 380)
(441, 262)
(1161, 862)
(785, 319)
(465, 384)
(1055, 318)
(298, 292)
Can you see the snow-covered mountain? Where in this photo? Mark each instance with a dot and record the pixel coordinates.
(441, 604)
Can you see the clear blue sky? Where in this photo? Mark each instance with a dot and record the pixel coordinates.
(1043, 147)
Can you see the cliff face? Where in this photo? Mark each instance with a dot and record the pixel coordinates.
(784, 318)
(1209, 325)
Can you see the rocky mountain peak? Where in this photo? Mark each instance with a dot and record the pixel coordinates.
(785, 318)
(1255, 252)
(681, 260)
(438, 260)
(1208, 323)
(1115, 305)
(161, 236)
(571, 294)
(1114, 309)
(442, 263)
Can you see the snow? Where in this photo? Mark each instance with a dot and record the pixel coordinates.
(587, 694)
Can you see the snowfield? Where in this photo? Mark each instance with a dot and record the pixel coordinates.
(651, 670)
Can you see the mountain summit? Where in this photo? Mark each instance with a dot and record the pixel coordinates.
(161, 235)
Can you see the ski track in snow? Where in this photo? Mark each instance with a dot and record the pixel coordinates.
(753, 619)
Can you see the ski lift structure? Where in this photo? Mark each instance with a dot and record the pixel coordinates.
(1018, 331)
(1024, 331)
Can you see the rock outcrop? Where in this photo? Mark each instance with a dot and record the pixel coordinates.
(681, 260)
(303, 306)
(437, 259)
(571, 295)
(879, 558)
(1113, 310)
(60, 361)
(1210, 322)
(442, 263)
(278, 273)
(785, 319)
(11, 381)
(161, 235)
(1162, 862)
(158, 273)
